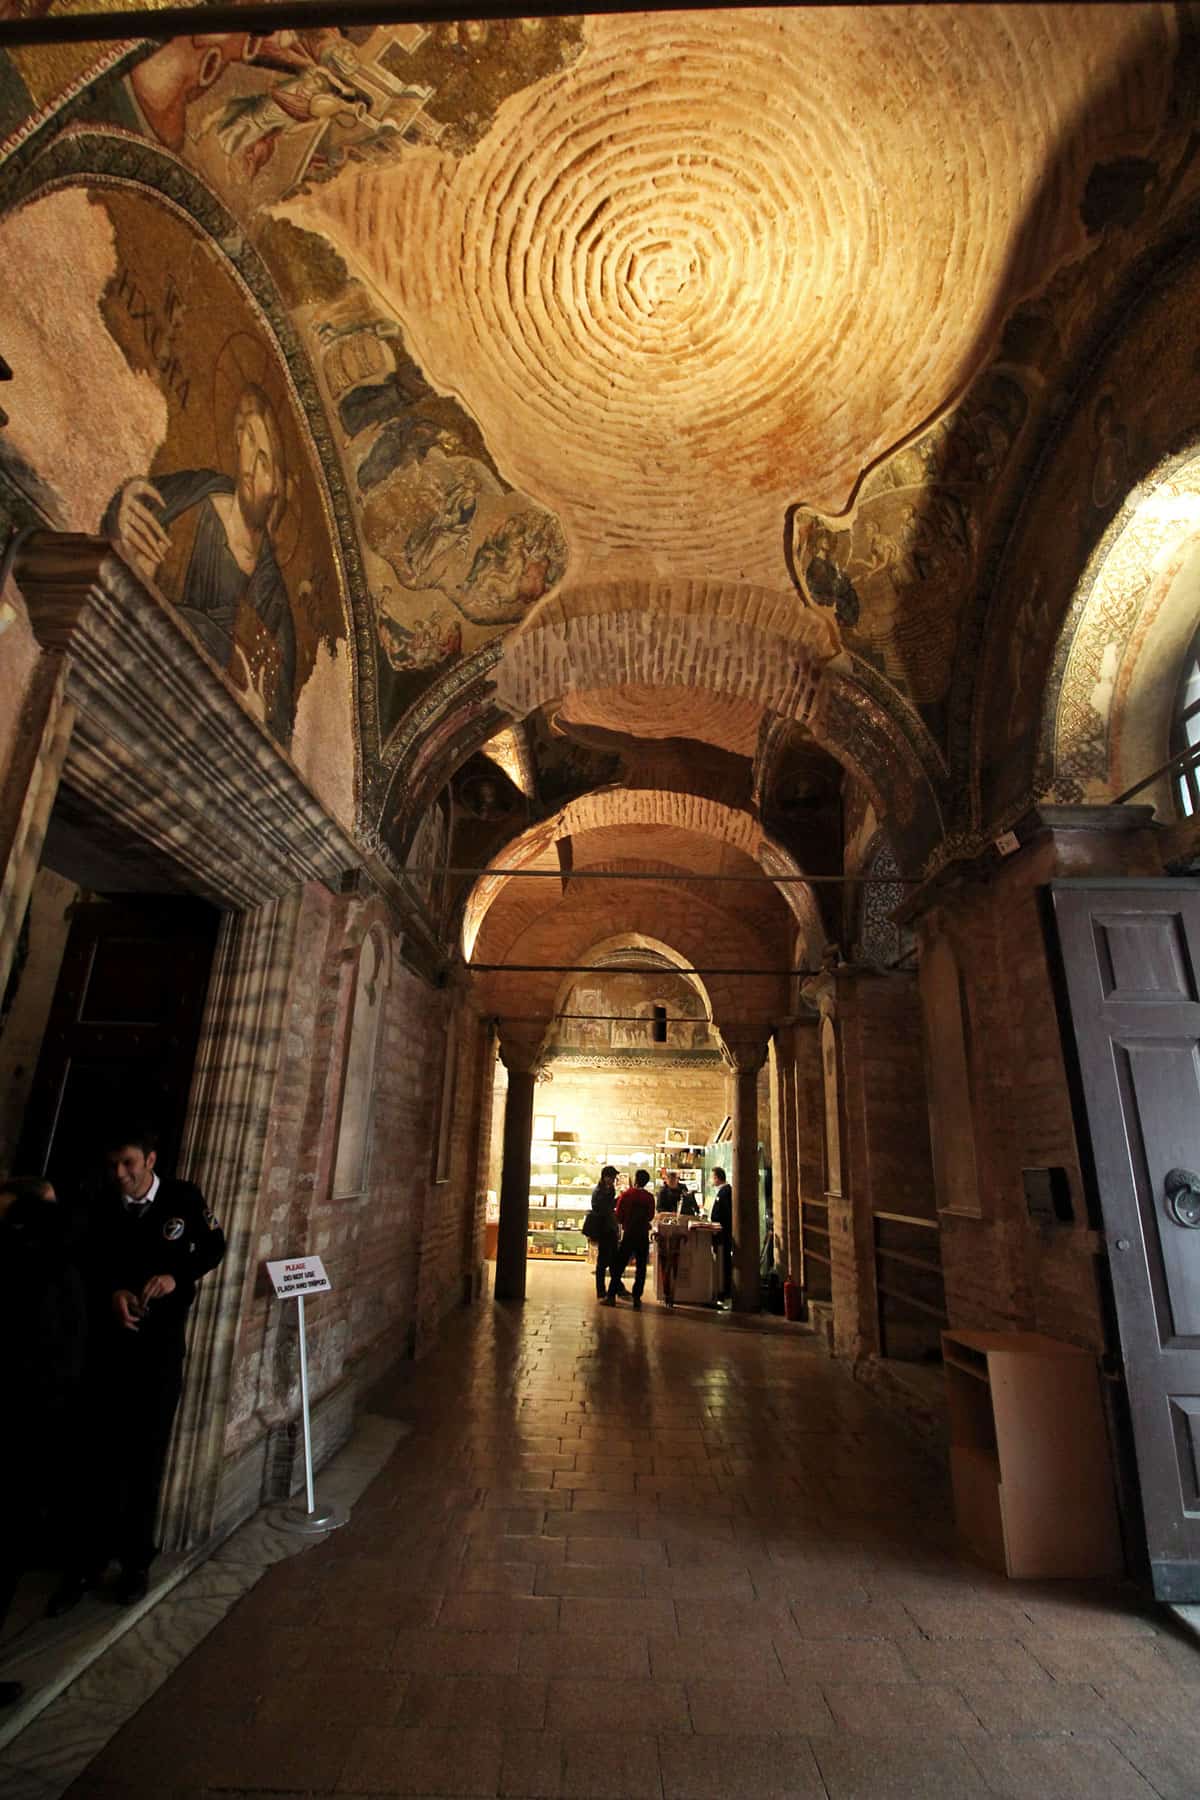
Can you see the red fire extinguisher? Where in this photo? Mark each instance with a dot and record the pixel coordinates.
(793, 1300)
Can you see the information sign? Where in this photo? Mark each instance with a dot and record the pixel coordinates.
(299, 1275)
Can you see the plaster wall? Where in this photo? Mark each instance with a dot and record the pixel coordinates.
(631, 1102)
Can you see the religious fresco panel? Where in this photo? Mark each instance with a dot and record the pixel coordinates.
(204, 472)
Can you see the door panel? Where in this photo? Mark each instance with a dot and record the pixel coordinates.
(1130, 951)
(122, 1033)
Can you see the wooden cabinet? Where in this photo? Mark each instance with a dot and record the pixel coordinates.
(1029, 1459)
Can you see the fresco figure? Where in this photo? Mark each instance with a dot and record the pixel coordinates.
(232, 567)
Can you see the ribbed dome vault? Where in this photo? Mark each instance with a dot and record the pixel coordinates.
(724, 261)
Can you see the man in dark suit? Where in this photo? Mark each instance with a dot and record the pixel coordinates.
(151, 1241)
(722, 1215)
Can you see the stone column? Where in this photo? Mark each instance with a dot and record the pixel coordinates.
(512, 1237)
(747, 1057)
(788, 1183)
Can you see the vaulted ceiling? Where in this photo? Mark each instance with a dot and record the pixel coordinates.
(672, 385)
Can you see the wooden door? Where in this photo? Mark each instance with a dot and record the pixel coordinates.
(1131, 963)
(121, 1039)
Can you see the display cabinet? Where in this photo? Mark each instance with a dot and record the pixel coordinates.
(563, 1171)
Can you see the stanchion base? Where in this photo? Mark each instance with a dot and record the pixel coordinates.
(296, 1517)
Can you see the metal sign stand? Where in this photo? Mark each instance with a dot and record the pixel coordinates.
(314, 1519)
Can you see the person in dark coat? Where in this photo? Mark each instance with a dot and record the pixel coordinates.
(722, 1215)
(607, 1237)
(152, 1239)
(635, 1215)
(43, 1328)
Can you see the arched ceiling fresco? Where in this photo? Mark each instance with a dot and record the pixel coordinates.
(746, 328)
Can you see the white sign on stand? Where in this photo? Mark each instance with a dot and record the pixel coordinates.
(293, 1278)
(299, 1275)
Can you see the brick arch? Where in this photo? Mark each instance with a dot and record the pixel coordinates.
(727, 638)
(606, 808)
(637, 940)
(681, 922)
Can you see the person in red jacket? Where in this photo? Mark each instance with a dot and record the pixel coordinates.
(635, 1215)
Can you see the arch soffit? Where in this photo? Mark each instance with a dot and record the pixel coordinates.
(566, 930)
(605, 808)
(637, 940)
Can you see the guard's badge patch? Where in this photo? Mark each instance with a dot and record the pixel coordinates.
(173, 1229)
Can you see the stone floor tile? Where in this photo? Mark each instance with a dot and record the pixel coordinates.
(697, 1657)
(592, 1523)
(498, 1612)
(500, 1578)
(718, 1706)
(639, 1705)
(614, 1551)
(1041, 1710)
(455, 1652)
(573, 1656)
(954, 1661)
(876, 1619)
(415, 1760)
(711, 1768)
(900, 1710)
(478, 1702)
(334, 1697)
(531, 1765)
(610, 1765)
(859, 1768)
(966, 1616)
(866, 1660)
(1168, 1760)
(617, 1614)
(741, 1618)
(586, 1581)
(1059, 1769)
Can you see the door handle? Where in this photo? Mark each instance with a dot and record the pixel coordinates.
(1182, 1189)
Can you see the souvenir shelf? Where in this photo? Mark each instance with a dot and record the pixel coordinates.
(562, 1175)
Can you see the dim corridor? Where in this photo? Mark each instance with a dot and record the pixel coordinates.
(661, 1557)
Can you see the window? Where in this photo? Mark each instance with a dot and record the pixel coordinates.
(1185, 730)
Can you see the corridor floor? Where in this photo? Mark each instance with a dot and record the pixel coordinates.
(659, 1557)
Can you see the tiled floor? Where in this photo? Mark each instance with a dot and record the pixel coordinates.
(660, 1556)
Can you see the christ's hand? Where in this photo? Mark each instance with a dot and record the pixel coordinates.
(138, 529)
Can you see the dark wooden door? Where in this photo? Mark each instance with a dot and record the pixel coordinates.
(122, 1034)
(1131, 961)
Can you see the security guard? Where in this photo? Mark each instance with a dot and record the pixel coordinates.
(151, 1242)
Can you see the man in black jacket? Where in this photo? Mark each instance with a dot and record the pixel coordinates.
(152, 1239)
(722, 1215)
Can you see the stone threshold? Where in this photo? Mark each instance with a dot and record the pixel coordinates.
(87, 1678)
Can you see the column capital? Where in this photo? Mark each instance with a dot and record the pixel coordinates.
(745, 1052)
(521, 1056)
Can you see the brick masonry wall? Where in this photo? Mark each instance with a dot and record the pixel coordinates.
(396, 1253)
(1002, 1271)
